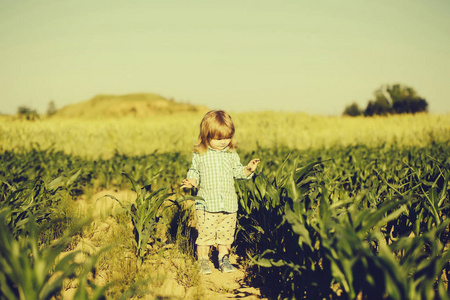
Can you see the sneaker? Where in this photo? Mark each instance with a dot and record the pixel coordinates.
(203, 266)
(225, 265)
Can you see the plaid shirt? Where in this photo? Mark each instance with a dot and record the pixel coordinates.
(215, 172)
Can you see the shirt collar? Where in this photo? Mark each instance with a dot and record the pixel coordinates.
(223, 150)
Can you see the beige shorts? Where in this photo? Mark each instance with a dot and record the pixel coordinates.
(215, 228)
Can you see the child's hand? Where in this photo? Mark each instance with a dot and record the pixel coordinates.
(189, 183)
(251, 167)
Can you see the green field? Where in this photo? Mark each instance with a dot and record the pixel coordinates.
(340, 208)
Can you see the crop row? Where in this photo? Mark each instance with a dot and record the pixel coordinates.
(358, 222)
(329, 223)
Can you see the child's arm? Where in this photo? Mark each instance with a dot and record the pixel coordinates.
(251, 167)
(193, 175)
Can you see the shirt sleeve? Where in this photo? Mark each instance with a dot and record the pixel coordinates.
(194, 171)
(238, 168)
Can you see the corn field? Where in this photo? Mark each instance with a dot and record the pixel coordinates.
(339, 208)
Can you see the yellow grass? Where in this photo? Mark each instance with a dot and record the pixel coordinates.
(178, 132)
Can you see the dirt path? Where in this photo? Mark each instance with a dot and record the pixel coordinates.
(216, 285)
(220, 285)
(175, 284)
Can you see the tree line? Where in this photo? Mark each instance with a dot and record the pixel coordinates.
(31, 114)
(390, 99)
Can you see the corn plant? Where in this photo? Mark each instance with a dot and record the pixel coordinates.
(261, 226)
(262, 202)
(39, 197)
(145, 213)
(315, 236)
(29, 272)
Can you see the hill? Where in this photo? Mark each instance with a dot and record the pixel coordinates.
(132, 105)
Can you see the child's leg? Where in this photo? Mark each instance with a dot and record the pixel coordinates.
(203, 259)
(202, 251)
(226, 227)
(206, 234)
(225, 236)
(224, 250)
(225, 265)
(204, 240)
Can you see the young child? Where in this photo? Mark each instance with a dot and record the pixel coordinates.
(215, 165)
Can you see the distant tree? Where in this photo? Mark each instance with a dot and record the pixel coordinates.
(410, 106)
(378, 107)
(51, 109)
(395, 99)
(352, 110)
(397, 92)
(27, 113)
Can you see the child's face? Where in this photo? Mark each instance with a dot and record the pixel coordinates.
(219, 144)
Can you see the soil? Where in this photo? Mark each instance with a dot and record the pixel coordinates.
(216, 285)
(220, 285)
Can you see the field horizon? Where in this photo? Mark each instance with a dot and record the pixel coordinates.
(179, 131)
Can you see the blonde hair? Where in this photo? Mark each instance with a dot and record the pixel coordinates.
(216, 124)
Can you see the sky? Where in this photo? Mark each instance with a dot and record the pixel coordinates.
(239, 55)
